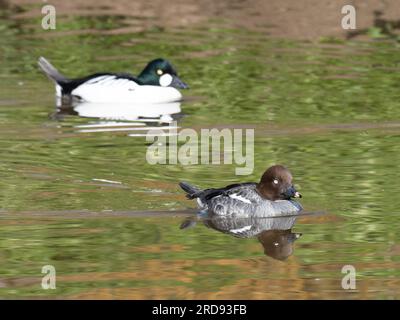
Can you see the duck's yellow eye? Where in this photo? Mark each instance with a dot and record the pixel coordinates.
(159, 72)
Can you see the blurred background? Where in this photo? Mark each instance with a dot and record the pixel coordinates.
(77, 193)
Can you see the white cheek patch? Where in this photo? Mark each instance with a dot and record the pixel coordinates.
(240, 198)
(165, 80)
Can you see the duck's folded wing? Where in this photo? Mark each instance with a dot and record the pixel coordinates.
(109, 80)
(245, 192)
(98, 81)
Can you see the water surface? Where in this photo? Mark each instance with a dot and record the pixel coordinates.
(87, 202)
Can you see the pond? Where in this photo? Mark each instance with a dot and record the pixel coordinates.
(77, 193)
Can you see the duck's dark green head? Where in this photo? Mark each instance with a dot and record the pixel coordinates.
(160, 72)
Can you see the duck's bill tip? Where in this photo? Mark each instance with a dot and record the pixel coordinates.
(297, 195)
(178, 83)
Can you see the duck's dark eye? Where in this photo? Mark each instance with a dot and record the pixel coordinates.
(160, 72)
(276, 181)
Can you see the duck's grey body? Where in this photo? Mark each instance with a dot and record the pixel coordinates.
(240, 200)
(249, 227)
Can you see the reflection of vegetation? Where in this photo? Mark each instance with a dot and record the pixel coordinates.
(84, 24)
(6, 8)
(382, 28)
(277, 86)
(122, 252)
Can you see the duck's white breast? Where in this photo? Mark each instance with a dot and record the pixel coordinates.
(110, 89)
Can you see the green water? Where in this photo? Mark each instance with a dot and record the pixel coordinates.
(328, 110)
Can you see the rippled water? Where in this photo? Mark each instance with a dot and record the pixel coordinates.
(77, 192)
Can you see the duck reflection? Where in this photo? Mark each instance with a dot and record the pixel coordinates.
(147, 113)
(275, 234)
(278, 244)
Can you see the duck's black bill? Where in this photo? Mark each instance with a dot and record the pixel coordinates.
(292, 237)
(292, 193)
(178, 83)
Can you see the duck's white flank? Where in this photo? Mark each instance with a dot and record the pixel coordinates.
(110, 89)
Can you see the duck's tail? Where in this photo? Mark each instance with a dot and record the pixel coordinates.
(51, 71)
(191, 191)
